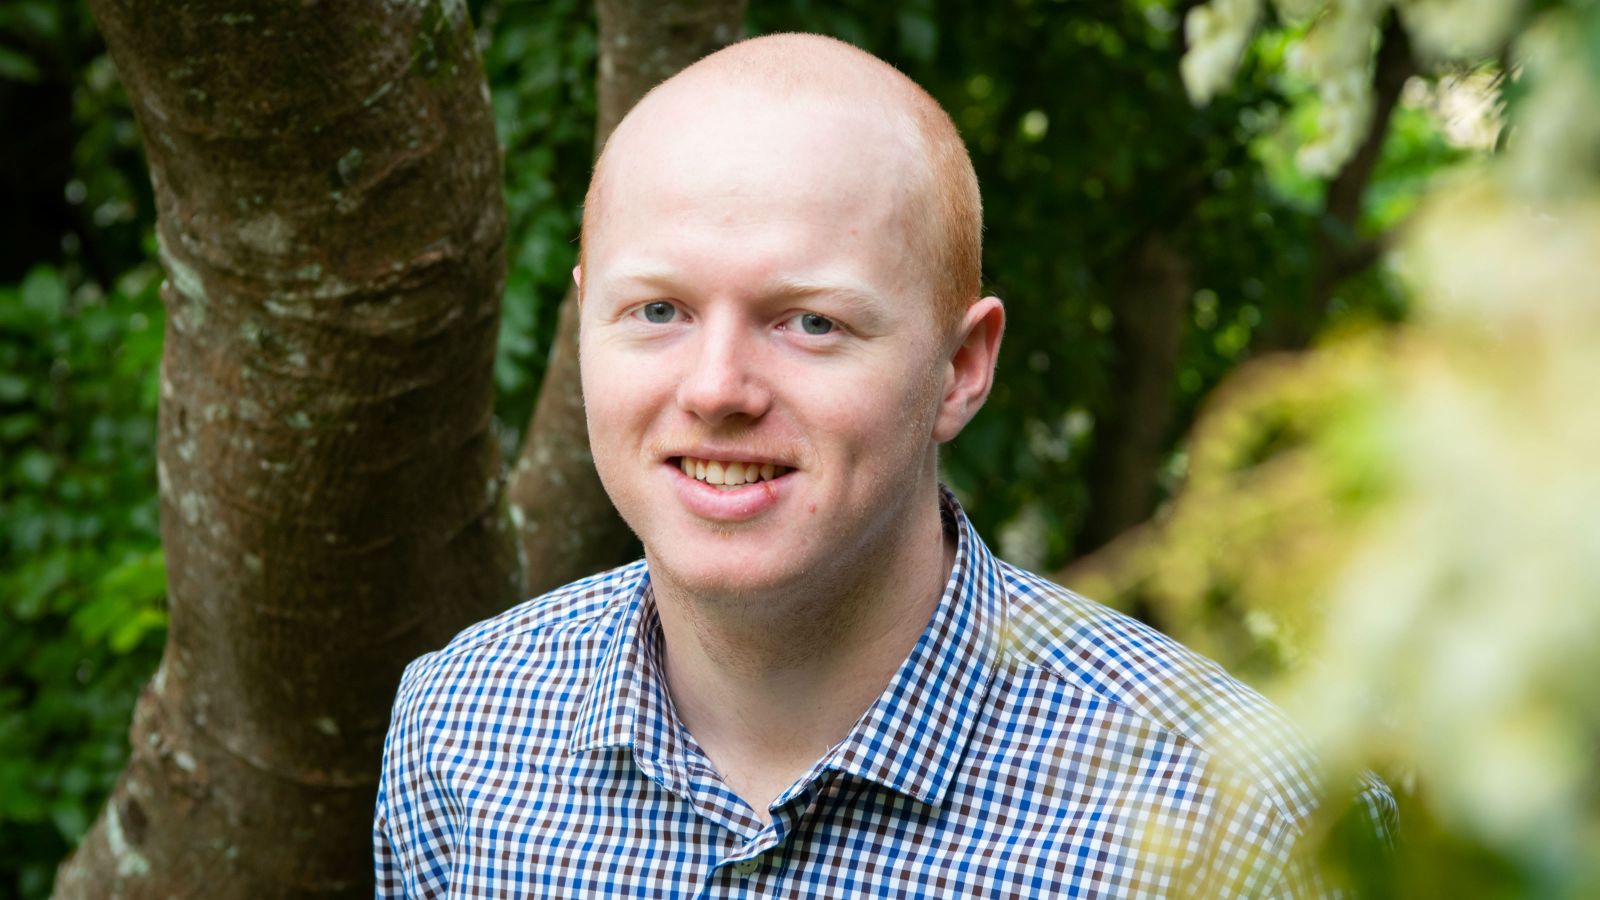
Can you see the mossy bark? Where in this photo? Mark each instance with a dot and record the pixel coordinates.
(569, 527)
(331, 222)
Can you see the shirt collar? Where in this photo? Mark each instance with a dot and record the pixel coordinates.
(608, 714)
(911, 739)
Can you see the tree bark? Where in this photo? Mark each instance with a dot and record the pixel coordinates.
(331, 223)
(569, 529)
(1130, 434)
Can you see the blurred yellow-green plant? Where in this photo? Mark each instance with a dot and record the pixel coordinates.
(1399, 531)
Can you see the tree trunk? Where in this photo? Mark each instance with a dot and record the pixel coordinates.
(568, 526)
(1130, 435)
(331, 223)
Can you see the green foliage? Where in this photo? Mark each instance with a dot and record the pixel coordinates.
(540, 61)
(72, 172)
(82, 579)
(1397, 531)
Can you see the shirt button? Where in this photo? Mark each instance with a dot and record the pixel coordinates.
(747, 866)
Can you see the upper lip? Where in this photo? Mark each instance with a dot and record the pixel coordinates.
(730, 455)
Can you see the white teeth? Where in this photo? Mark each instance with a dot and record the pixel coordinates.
(729, 475)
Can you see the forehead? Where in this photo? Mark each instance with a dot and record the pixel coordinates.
(722, 164)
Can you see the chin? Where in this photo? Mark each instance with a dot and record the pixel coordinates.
(729, 578)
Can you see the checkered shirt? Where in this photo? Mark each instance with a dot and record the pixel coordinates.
(1033, 744)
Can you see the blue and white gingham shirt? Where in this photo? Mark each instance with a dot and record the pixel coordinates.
(1033, 744)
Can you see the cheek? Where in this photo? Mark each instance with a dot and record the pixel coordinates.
(882, 416)
(604, 397)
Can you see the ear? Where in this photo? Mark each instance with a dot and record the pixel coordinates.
(970, 372)
(577, 281)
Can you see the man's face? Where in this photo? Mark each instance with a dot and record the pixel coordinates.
(752, 305)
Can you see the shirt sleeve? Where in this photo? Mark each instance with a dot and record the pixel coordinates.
(385, 862)
(385, 858)
(403, 797)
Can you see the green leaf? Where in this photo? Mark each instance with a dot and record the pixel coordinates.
(919, 35)
(130, 633)
(38, 582)
(16, 67)
(44, 292)
(35, 467)
(13, 389)
(70, 818)
(38, 19)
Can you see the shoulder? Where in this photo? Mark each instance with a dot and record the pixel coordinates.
(1242, 737)
(574, 623)
(502, 690)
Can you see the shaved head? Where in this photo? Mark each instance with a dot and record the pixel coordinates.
(780, 272)
(939, 193)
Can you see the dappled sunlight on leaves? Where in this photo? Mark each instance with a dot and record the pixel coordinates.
(1405, 525)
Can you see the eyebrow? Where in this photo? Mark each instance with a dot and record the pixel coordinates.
(645, 276)
(853, 294)
(861, 300)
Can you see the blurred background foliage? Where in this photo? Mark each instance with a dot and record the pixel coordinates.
(1396, 532)
(82, 582)
(1392, 531)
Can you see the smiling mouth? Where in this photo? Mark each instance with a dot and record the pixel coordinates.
(728, 475)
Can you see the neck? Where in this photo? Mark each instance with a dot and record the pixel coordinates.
(766, 685)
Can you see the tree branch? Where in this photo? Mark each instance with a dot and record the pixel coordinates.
(1338, 252)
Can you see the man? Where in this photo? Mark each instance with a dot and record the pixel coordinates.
(818, 682)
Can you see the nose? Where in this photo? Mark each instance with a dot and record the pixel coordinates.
(724, 379)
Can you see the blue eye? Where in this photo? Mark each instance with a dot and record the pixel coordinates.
(811, 323)
(660, 312)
